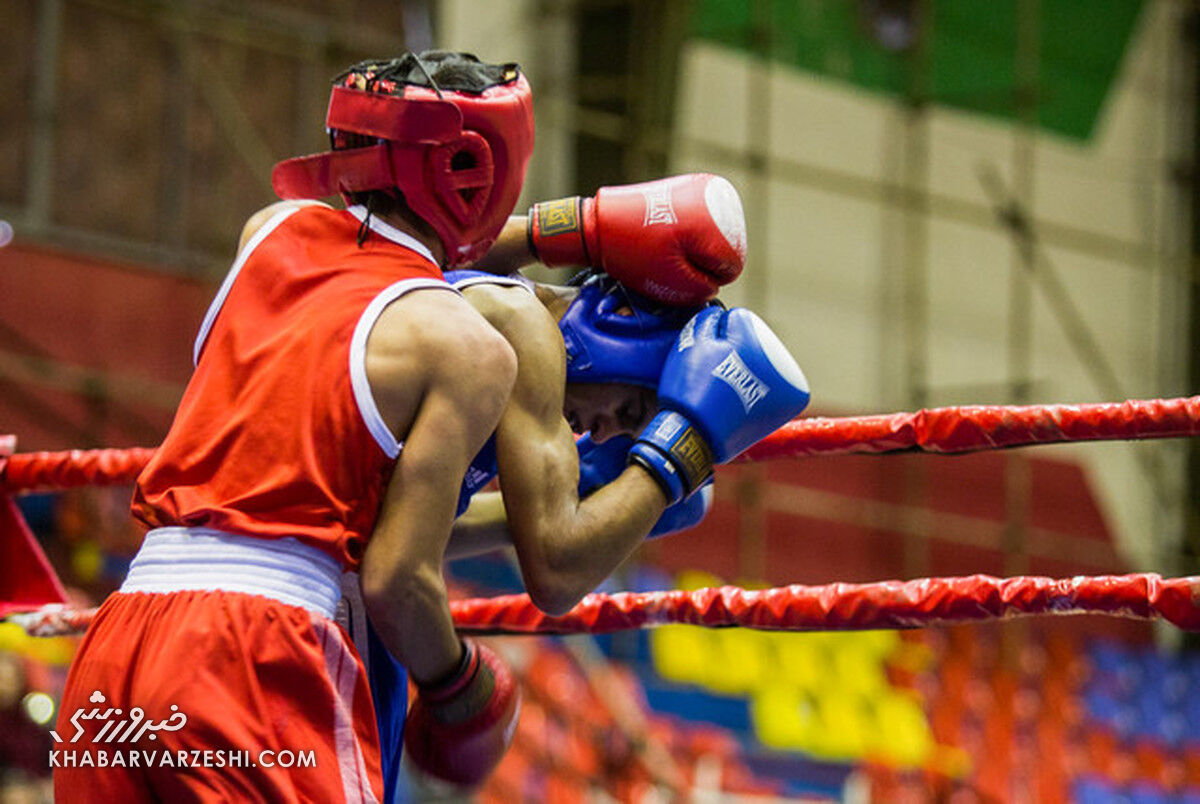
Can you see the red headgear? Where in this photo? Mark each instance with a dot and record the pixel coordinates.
(457, 154)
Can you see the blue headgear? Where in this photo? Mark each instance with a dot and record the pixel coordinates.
(604, 345)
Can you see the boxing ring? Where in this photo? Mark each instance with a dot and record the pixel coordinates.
(835, 606)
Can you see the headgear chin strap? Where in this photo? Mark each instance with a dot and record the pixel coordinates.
(612, 335)
(458, 156)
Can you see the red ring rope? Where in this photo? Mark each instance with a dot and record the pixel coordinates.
(45, 471)
(832, 607)
(848, 607)
(940, 430)
(981, 427)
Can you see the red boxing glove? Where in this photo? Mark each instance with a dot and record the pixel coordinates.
(459, 729)
(674, 240)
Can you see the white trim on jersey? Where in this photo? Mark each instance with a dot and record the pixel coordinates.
(219, 301)
(386, 230)
(358, 360)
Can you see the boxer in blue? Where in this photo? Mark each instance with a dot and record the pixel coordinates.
(616, 344)
(696, 386)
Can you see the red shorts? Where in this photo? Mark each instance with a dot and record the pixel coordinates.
(247, 699)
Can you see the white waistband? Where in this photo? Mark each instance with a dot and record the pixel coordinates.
(189, 559)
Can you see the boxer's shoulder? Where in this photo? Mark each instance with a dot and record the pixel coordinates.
(516, 313)
(260, 219)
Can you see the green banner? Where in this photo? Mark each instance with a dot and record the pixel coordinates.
(968, 58)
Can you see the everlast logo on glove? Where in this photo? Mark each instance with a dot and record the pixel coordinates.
(734, 373)
(693, 457)
(658, 205)
(558, 217)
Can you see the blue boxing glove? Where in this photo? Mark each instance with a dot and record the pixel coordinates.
(728, 383)
(687, 513)
(600, 464)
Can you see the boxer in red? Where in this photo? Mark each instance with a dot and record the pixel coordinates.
(341, 390)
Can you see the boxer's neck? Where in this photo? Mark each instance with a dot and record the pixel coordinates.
(419, 230)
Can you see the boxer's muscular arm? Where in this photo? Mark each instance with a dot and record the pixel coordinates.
(440, 376)
(483, 527)
(565, 546)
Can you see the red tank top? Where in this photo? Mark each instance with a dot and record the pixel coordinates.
(277, 433)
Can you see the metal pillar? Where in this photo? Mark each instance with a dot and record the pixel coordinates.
(45, 80)
(1017, 472)
(914, 250)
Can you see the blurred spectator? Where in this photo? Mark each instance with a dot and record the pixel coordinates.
(24, 745)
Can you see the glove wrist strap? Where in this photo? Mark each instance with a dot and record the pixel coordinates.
(463, 694)
(675, 452)
(556, 232)
(660, 468)
(457, 679)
